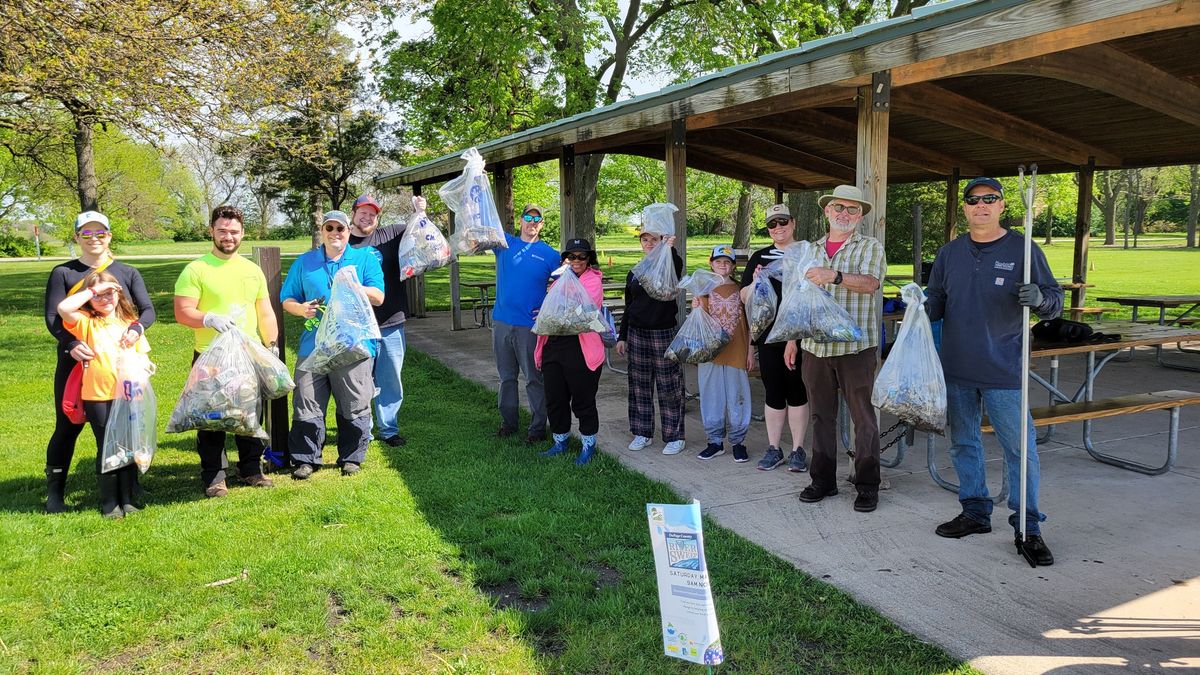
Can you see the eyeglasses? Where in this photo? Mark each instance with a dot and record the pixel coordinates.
(577, 256)
(986, 199)
(852, 210)
(531, 219)
(335, 228)
(92, 234)
(778, 222)
(110, 295)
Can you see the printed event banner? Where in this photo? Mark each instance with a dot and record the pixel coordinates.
(689, 618)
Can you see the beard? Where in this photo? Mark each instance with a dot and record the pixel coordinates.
(228, 246)
(841, 227)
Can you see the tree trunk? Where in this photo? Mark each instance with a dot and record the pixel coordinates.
(810, 220)
(85, 162)
(1049, 225)
(314, 207)
(1193, 205)
(741, 225)
(587, 175)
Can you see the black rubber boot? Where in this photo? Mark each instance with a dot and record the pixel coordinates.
(110, 488)
(56, 487)
(129, 497)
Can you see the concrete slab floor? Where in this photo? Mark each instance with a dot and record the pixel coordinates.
(1124, 591)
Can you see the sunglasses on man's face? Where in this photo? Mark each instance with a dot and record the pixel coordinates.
(530, 218)
(90, 234)
(778, 222)
(577, 256)
(986, 199)
(335, 228)
(852, 210)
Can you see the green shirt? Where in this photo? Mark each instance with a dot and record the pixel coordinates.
(859, 255)
(231, 287)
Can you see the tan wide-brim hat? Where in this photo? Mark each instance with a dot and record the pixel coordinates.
(848, 193)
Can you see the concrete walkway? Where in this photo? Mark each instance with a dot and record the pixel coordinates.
(1124, 591)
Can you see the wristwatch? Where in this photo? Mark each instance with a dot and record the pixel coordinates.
(837, 281)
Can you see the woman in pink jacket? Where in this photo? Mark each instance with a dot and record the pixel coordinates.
(571, 364)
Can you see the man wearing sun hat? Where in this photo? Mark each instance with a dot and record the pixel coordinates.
(852, 267)
(522, 275)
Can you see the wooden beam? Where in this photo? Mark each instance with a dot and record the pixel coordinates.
(779, 194)
(942, 105)
(566, 196)
(1083, 231)
(704, 160)
(676, 160)
(502, 185)
(873, 105)
(813, 97)
(1112, 71)
(952, 204)
(744, 142)
(455, 291)
(269, 261)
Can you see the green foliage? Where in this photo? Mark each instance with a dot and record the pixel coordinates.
(13, 245)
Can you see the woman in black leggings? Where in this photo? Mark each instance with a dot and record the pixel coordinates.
(93, 236)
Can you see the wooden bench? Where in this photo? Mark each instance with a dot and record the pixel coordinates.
(1086, 411)
(1077, 313)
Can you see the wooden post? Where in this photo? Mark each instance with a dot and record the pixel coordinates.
(455, 295)
(676, 160)
(502, 177)
(1083, 227)
(568, 226)
(267, 258)
(415, 286)
(951, 205)
(918, 236)
(779, 194)
(871, 168)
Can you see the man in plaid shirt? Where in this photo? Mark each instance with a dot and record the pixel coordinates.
(854, 271)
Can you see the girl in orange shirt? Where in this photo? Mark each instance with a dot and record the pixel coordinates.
(99, 315)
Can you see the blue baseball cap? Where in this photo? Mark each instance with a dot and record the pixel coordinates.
(983, 180)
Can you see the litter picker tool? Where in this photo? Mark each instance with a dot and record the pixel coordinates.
(1028, 192)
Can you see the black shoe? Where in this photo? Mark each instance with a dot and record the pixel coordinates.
(866, 502)
(711, 450)
(56, 487)
(349, 469)
(505, 432)
(1035, 549)
(109, 485)
(739, 453)
(395, 441)
(961, 526)
(126, 495)
(535, 439)
(813, 494)
(303, 471)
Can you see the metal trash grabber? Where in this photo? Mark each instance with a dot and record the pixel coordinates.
(1028, 192)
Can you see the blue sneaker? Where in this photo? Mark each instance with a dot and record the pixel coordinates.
(589, 449)
(559, 447)
(797, 461)
(772, 459)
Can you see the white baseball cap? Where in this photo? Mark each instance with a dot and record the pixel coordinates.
(88, 217)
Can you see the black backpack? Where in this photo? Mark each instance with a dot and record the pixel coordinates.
(1071, 332)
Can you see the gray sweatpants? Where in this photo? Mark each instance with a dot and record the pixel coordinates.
(724, 392)
(513, 348)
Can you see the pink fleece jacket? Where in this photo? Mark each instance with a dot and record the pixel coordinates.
(590, 343)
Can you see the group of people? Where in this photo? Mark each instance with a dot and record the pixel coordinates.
(975, 289)
(96, 306)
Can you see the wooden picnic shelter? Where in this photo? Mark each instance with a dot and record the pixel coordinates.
(955, 90)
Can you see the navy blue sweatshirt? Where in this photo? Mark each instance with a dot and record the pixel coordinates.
(643, 311)
(974, 289)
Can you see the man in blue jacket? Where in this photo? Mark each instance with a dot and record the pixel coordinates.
(976, 287)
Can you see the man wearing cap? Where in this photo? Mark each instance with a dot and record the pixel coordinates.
(305, 289)
(852, 268)
(976, 288)
(217, 292)
(389, 361)
(94, 236)
(522, 273)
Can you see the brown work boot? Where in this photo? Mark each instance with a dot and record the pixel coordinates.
(258, 480)
(217, 489)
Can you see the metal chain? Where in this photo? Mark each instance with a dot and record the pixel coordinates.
(895, 440)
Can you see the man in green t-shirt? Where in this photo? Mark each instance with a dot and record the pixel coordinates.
(218, 292)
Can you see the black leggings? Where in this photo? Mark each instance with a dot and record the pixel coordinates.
(61, 447)
(570, 386)
(783, 387)
(97, 414)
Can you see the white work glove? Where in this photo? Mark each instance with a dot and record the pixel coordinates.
(218, 322)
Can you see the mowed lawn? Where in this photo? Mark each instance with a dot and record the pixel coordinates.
(455, 553)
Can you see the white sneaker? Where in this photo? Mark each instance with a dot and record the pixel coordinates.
(639, 442)
(673, 448)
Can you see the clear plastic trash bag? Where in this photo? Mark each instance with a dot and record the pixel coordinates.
(808, 310)
(911, 385)
(223, 391)
(763, 301)
(568, 309)
(422, 247)
(347, 327)
(131, 434)
(656, 273)
(700, 338)
(659, 218)
(273, 375)
(477, 226)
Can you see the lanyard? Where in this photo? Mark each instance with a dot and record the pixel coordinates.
(79, 284)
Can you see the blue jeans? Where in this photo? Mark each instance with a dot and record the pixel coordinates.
(964, 411)
(389, 389)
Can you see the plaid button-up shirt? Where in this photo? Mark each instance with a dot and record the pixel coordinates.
(859, 255)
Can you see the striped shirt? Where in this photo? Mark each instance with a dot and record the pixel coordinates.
(859, 255)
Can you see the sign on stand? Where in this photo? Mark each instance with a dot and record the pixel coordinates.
(689, 618)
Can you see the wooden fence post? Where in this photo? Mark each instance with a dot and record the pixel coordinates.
(268, 260)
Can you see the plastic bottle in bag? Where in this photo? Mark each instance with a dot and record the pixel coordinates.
(763, 302)
(911, 384)
(808, 310)
(345, 329)
(700, 338)
(477, 226)
(422, 247)
(131, 432)
(222, 392)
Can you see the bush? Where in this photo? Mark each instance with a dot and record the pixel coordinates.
(16, 246)
(191, 232)
(293, 231)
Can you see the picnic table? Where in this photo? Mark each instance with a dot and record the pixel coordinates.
(1163, 302)
(481, 306)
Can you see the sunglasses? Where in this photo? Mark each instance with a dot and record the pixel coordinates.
(852, 210)
(986, 199)
(335, 228)
(531, 219)
(778, 222)
(110, 295)
(92, 234)
(577, 256)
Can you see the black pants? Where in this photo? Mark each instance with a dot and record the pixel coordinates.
(213, 461)
(570, 386)
(61, 447)
(97, 414)
(783, 387)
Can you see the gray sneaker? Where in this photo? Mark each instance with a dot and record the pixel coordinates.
(772, 459)
(797, 462)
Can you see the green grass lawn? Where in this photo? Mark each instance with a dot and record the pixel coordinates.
(455, 553)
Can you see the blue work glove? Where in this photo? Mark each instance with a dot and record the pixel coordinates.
(1029, 295)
